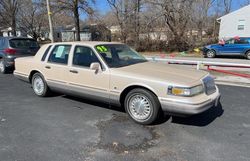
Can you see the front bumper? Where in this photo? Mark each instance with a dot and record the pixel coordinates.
(180, 108)
(204, 51)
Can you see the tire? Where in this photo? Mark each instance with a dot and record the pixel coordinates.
(210, 54)
(40, 86)
(248, 55)
(147, 115)
(3, 68)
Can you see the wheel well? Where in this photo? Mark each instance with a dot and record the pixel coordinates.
(128, 89)
(31, 74)
(247, 51)
(211, 50)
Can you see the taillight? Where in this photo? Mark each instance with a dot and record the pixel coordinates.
(10, 51)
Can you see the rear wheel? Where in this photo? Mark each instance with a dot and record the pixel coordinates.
(142, 106)
(210, 54)
(39, 85)
(248, 55)
(3, 69)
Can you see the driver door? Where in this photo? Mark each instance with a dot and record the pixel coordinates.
(84, 81)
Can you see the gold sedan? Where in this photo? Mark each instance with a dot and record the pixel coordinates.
(116, 74)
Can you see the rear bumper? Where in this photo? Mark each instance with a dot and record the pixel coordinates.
(190, 109)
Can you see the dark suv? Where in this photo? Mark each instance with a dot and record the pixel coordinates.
(14, 47)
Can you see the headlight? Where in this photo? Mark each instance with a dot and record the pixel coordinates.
(188, 92)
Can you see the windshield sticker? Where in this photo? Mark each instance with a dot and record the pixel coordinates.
(99, 48)
(104, 48)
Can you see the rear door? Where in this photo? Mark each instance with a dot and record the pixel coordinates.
(227, 48)
(23, 46)
(56, 68)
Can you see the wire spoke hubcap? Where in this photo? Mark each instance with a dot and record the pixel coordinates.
(38, 85)
(140, 107)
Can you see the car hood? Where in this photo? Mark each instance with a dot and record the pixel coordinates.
(156, 71)
(211, 45)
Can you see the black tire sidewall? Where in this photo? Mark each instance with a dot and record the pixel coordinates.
(5, 69)
(46, 90)
(248, 55)
(153, 100)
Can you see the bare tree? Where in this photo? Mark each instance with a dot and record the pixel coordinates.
(201, 14)
(227, 6)
(120, 10)
(8, 13)
(32, 18)
(75, 7)
(177, 16)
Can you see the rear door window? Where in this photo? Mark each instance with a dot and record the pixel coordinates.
(60, 54)
(23, 43)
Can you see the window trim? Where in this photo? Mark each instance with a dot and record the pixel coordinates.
(57, 62)
(46, 53)
(84, 67)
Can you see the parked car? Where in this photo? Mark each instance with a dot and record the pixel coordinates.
(231, 47)
(116, 74)
(14, 47)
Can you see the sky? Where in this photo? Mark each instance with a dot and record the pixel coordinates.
(102, 5)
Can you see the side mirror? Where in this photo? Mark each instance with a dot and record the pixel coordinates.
(95, 66)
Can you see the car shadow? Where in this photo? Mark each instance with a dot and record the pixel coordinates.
(162, 118)
(95, 103)
(202, 119)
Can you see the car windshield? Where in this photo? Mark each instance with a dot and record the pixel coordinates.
(119, 55)
(23, 43)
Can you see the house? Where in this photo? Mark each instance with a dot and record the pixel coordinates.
(236, 23)
(158, 33)
(7, 32)
(88, 33)
(43, 33)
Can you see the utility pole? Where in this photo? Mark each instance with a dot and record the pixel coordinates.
(50, 22)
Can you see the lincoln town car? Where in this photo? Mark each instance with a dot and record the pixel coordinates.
(116, 74)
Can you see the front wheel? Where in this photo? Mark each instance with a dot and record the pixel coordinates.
(210, 54)
(39, 85)
(248, 55)
(142, 106)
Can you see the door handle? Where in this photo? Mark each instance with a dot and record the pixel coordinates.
(73, 71)
(48, 67)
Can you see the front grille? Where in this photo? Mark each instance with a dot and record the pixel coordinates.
(209, 85)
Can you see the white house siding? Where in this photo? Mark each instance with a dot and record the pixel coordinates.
(229, 23)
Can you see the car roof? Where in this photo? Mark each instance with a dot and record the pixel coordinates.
(89, 43)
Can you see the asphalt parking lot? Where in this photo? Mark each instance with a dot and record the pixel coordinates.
(63, 128)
